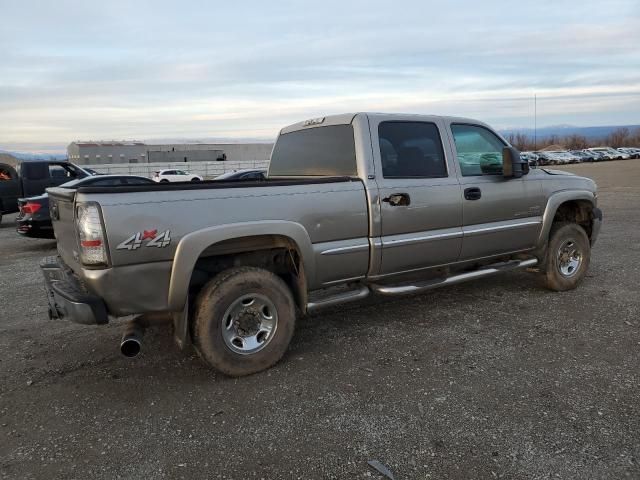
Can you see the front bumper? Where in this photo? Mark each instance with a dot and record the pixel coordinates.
(67, 298)
(597, 225)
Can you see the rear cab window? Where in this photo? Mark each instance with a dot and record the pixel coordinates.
(315, 152)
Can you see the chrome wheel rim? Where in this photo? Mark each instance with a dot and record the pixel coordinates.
(249, 324)
(569, 258)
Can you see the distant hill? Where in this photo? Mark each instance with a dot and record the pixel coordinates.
(591, 133)
(36, 156)
(58, 151)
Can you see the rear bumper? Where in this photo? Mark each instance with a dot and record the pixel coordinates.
(597, 225)
(67, 299)
(34, 228)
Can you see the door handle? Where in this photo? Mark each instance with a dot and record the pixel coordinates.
(398, 199)
(473, 193)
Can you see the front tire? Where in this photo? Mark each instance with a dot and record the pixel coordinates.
(568, 256)
(244, 320)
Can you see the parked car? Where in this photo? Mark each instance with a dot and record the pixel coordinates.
(246, 174)
(582, 155)
(166, 176)
(21, 178)
(565, 156)
(367, 202)
(545, 158)
(34, 219)
(632, 152)
(611, 153)
(530, 157)
(597, 155)
(558, 157)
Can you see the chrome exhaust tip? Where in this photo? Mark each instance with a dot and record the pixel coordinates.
(131, 342)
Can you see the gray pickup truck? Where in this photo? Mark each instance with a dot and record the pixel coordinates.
(353, 204)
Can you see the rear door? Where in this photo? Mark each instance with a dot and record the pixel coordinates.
(499, 215)
(35, 178)
(421, 206)
(38, 176)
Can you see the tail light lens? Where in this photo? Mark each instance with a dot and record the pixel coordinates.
(93, 250)
(30, 208)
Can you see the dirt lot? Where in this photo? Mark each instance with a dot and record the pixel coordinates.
(493, 379)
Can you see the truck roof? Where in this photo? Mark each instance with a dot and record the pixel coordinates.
(15, 161)
(347, 118)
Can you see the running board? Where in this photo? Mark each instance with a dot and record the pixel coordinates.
(406, 289)
(342, 297)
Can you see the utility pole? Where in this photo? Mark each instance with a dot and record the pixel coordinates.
(535, 122)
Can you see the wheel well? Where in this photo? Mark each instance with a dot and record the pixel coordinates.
(276, 253)
(576, 211)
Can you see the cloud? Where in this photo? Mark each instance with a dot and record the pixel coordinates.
(121, 69)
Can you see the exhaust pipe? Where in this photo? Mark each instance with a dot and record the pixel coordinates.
(131, 342)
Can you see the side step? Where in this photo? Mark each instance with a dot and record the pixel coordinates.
(342, 297)
(415, 287)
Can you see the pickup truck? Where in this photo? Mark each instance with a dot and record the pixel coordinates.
(19, 179)
(353, 204)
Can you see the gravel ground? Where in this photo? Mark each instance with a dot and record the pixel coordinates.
(491, 379)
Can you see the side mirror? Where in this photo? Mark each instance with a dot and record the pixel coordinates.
(512, 165)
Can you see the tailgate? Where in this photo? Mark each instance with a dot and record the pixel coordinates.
(61, 205)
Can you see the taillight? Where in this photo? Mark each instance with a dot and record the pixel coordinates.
(90, 234)
(30, 208)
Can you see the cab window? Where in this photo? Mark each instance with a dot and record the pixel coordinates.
(411, 150)
(61, 171)
(478, 149)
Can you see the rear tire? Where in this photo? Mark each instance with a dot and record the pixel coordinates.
(244, 320)
(568, 256)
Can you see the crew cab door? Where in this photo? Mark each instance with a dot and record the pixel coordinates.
(420, 202)
(499, 215)
(38, 176)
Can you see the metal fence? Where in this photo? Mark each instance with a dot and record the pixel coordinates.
(208, 170)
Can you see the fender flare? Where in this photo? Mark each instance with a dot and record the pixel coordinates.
(192, 245)
(553, 202)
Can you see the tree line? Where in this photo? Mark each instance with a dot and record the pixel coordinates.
(620, 137)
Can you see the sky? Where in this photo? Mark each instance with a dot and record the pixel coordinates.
(240, 69)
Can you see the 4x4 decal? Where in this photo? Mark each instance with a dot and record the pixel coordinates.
(159, 240)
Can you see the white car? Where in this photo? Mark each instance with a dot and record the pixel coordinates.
(560, 157)
(632, 152)
(612, 153)
(165, 176)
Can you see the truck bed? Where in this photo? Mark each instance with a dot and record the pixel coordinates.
(331, 211)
